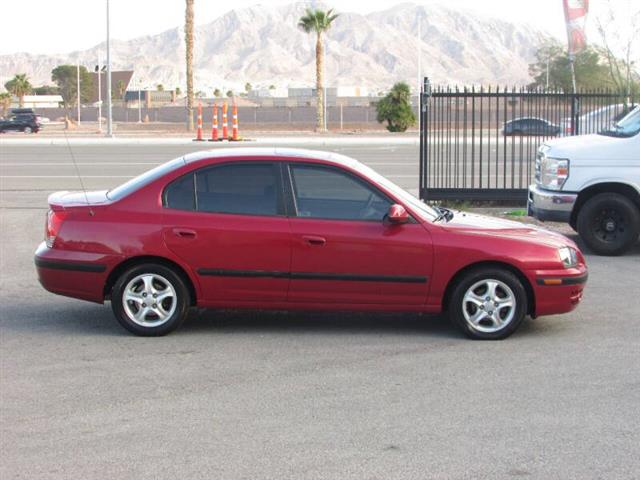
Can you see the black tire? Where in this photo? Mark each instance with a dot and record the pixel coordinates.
(457, 304)
(609, 223)
(27, 130)
(159, 274)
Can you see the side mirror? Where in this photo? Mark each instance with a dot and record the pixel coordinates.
(397, 215)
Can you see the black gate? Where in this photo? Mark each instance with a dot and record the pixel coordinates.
(481, 143)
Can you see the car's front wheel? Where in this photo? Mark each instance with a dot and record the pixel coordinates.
(27, 130)
(609, 223)
(150, 300)
(488, 303)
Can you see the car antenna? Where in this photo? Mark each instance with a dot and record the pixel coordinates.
(75, 165)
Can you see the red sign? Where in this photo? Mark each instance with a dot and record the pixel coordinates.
(575, 14)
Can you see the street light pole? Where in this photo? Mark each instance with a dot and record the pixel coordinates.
(109, 107)
(78, 88)
(99, 94)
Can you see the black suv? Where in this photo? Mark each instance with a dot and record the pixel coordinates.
(23, 120)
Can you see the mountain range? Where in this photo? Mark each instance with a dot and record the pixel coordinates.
(263, 45)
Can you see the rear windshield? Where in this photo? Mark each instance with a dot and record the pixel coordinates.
(144, 179)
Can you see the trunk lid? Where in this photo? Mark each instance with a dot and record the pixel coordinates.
(66, 199)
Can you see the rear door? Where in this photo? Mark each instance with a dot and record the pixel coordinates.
(343, 252)
(228, 223)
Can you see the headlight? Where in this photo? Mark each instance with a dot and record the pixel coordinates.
(553, 172)
(569, 257)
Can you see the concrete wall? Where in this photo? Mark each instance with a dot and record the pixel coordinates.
(254, 117)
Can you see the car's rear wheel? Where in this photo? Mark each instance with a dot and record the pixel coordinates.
(150, 300)
(27, 130)
(609, 223)
(488, 303)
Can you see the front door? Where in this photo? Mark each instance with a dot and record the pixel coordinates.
(343, 252)
(227, 222)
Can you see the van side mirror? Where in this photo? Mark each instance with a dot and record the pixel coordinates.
(397, 215)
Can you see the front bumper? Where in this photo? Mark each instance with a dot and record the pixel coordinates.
(550, 206)
(559, 291)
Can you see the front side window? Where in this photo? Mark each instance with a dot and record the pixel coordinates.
(249, 189)
(326, 193)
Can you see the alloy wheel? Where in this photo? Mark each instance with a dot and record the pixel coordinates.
(149, 300)
(489, 305)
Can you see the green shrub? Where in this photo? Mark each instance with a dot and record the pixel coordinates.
(395, 108)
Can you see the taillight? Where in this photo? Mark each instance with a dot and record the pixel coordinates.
(52, 227)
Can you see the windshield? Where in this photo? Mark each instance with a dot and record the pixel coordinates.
(405, 196)
(144, 179)
(628, 126)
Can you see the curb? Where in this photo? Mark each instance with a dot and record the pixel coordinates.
(355, 140)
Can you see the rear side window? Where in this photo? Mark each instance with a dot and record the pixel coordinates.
(180, 193)
(242, 189)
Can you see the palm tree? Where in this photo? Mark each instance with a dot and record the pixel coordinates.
(188, 40)
(5, 102)
(318, 21)
(19, 86)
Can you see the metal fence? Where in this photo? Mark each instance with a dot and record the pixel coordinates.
(480, 143)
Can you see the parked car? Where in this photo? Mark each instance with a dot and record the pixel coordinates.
(21, 122)
(592, 182)
(296, 229)
(600, 119)
(530, 126)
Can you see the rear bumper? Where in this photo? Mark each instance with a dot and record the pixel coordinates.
(549, 206)
(559, 291)
(73, 274)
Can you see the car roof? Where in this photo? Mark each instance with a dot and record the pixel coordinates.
(529, 118)
(271, 152)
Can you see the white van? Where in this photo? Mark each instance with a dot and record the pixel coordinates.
(592, 182)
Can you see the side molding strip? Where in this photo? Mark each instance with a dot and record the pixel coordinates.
(351, 277)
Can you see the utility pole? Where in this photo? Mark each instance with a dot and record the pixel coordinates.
(78, 88)
(109, 106)
(547, 71)
(139, 103)
(99, 70)
(419, 71)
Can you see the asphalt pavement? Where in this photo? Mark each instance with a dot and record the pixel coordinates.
(273, 395)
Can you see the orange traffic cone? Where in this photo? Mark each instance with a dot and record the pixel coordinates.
(199, 131)
(214, 125)
(225, 132)
(234, 124)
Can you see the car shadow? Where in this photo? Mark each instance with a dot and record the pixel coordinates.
(302, 323)
(75, 318)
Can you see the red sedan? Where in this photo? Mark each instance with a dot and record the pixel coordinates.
(296, 229)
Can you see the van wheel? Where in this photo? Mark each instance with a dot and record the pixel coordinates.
(488, 304)
(609, 223)
(27, 130)
(150, 300)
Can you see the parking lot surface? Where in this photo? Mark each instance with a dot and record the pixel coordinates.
(296, 395)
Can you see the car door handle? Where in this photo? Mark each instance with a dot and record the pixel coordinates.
(314, 240)
(185, 233)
